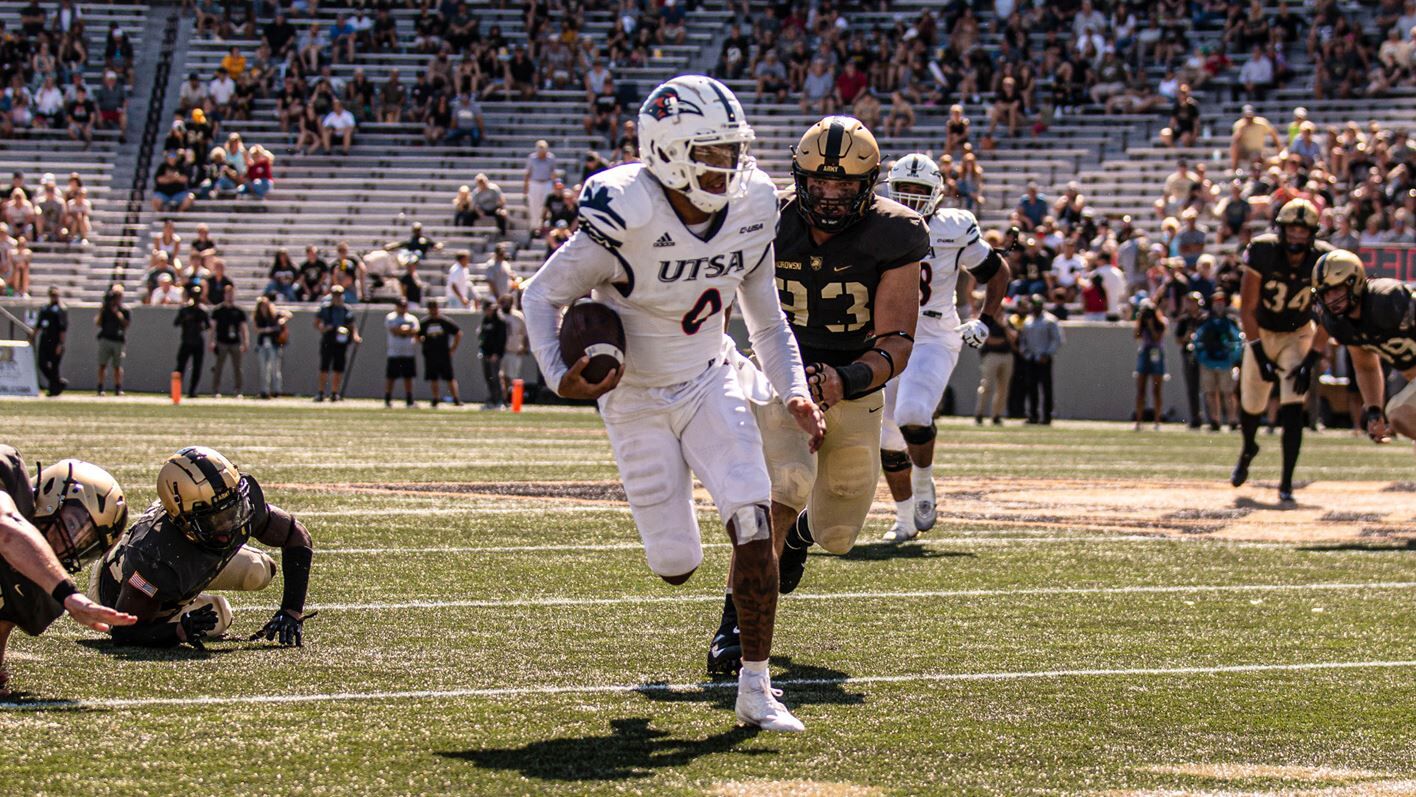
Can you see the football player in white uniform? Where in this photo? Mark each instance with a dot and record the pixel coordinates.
(907, 433)
(669, 244)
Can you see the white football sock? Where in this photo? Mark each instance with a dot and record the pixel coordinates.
(904, 512)
(755, 667)
(921, 478)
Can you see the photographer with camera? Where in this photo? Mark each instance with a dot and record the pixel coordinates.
(112, 322)
(1150, 359)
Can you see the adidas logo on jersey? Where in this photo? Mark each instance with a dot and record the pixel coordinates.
(664, 240)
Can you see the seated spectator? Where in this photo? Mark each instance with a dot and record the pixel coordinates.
(1257, 74)
(1191, 238)
(1067, 210)
(280, 36)
(1184, 118)
(1136, 98)
(118, 53)
(338, 122)
(49, 105)
(112, 101)
(384, 36)
(392, 98)
(437, 121)
(78, 212)
(771, 77)
(1065, 269)
(49, 213)
(81, 113)
(314, 276)
(486, 201)
(1234, 213)
(867, 109)
(170, 185)
(1032, 274)
(1007, 108)
(1251, 132)
(359, 96)
(466, 121)
(956, 130)
(220, 91)
(217, 177)
(282, 276)
(312, 46)
(260, 177)
(604, 112)
(902, 116)
(1033, 205)
(20, 215)
(310, 139)
(520, 75)
(166, 294)
(818, 90)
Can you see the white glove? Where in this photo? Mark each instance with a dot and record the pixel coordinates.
(975, 332)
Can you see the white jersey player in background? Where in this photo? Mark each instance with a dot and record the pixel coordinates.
(668, 244)
(907, 432)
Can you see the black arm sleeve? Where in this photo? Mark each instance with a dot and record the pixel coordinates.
(151, 635)
(295, 566)
(990, 265)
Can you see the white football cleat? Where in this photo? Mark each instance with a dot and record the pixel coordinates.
(899, 533)
(758, 706)
(925, 511)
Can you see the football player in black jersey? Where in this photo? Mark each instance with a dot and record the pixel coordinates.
(1278, 324)
(193, 540)
(848, 277)
(1376, 320)
(58, 523)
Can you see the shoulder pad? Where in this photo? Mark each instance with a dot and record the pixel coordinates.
(613, 202)
(1323, 247)
(1390, 305)
(957, 227)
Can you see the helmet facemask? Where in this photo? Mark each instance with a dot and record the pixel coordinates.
(919, 197)
(832, 204)
(1337, 299)
(1285, 234)
(221, 523)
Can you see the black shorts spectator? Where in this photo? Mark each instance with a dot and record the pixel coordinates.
(435, 367)
(401, 368)
(332, 356)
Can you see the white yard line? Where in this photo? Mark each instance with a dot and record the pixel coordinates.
(938, 542)
(522, 691)
(853, 596)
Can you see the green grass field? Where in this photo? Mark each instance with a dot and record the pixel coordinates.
(488, 625)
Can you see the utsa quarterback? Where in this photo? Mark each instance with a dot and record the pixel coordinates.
(668, 244)
(58, 523)
(1278, 323)
(955, 246)
(848, 280)
(193, 539)
(1376, 320)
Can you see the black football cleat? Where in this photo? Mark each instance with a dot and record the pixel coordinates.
(1240, 474)
(725, 654)
(1285, 495)
(792, 565)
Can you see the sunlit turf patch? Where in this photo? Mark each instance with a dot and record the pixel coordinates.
(1045, 639)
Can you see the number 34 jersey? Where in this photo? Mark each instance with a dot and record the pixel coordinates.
(828, 291)
(1284, 289)
(669, 284)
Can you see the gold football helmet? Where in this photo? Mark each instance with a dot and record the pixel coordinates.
(80, 509)
(1339, 280)
(835, 166)
(205, 497)
(1297, 213)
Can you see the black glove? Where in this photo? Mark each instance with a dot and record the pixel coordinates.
(196, 624)
(289, 629)
(1303, 374)
(1268, 369)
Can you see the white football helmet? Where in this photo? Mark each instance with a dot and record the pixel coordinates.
(916, 169)
(695, 111)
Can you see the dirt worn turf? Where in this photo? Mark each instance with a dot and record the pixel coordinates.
(1097, 613)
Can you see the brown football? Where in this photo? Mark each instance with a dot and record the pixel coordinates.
(592, 328)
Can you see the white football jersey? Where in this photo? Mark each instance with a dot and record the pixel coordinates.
(954, 243)
(669, 284)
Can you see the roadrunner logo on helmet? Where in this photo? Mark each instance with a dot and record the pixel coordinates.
(835, 166)
(917, 171)
(206, 497)
(81, 510)
(1339, 280)
(694, 138)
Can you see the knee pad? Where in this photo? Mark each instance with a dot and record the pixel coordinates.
(751, 524)
(850, 471)
(894, 461)
(918, 435)
(791, 485)
(676, 563)
(837, 539)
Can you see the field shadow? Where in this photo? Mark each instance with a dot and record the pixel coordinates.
(631, 749)
(1245, 502)
(137, 653)
(1409, 546)
(806, 684)
(881, 552)
(21, 701)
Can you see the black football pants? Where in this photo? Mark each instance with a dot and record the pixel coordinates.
(1039, 390)
(49, 358)
(193, 352)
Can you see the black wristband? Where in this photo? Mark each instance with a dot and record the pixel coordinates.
(295, 566)
(855, 379)
(62, 591)
(1372, 413)
(988, 319)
